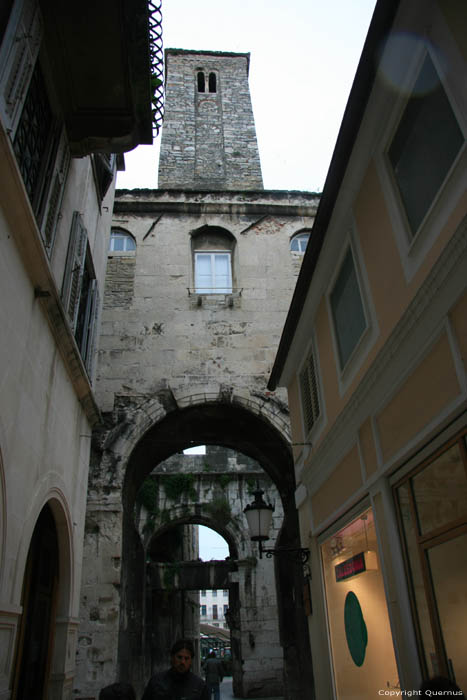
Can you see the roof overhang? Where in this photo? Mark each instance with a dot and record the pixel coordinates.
(100, 53)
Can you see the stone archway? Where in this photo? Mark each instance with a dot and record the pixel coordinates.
(127, 451)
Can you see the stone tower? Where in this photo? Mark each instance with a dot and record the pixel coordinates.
(199, 279)
(209, 136)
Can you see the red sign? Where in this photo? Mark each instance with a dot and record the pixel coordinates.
(350, 567)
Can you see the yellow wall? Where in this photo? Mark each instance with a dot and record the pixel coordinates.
(345, 479)
(430, 387)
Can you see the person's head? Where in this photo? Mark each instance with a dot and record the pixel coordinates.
(181, 655)
(118, 691)
(440, 686)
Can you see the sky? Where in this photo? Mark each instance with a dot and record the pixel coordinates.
(304, 54)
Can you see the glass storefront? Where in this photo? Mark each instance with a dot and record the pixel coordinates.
(432, 506)
(360, 636)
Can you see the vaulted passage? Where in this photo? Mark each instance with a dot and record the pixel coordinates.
(155, 579)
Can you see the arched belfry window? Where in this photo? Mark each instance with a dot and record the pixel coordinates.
(213, 249)
(212, 82)
(201, 81)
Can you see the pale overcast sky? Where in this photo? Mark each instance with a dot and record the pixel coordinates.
(304, 54)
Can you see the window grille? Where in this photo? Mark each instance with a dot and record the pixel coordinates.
(309, 393)
(32, 137)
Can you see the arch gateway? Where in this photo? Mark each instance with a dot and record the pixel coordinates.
(191, 319)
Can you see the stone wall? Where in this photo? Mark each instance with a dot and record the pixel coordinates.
(208, 138)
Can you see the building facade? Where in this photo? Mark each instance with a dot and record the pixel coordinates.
(199, 278)
(373, 354)
(59, 134)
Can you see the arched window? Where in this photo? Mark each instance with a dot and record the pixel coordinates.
(121, 242)
(299, 242)
(212, 82)
(201, 82)
(212, 260)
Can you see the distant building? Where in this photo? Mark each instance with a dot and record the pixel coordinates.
(213, 606)
(374, 357)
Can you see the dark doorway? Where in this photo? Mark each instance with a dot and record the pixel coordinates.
(35, 643)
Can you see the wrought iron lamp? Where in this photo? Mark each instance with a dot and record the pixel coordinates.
(259, 517)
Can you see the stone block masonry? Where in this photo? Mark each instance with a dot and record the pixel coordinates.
(209, 137)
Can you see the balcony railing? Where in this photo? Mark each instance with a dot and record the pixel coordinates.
(157, 63)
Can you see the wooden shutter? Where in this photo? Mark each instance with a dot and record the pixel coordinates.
(88, 344)
(18, 56)
(309, 393)
(72, 280)
(56, 189)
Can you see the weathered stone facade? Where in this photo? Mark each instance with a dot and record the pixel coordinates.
(185, 361)
(209, 136)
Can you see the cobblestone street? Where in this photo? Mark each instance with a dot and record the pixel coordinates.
(227, 694)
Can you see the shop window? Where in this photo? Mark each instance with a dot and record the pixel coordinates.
(425, 145)
(80, 292)
(347, 310)
(212, 82)
(299, 242)
(309, 393)
(361, 643)
(201, 81)
(432, 509)
(121, 242)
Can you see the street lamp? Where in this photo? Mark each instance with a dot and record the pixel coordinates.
(259, 517)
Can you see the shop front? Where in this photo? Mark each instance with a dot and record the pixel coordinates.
(432, 511)
(361, 646)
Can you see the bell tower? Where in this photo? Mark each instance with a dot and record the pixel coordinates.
(208, 137)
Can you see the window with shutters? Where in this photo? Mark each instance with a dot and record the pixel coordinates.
(37, 135)
(80, 293)
(309, 393)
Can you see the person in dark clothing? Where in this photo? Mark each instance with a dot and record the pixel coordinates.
(118, 691)
(214, 671)
(178, 683)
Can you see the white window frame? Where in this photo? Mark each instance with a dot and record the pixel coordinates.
(213, 289)
(355, 360)
(413, 248)
(127, 237)
(300, 237)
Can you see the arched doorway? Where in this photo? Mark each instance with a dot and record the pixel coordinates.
(39, 600)
(231, 425)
